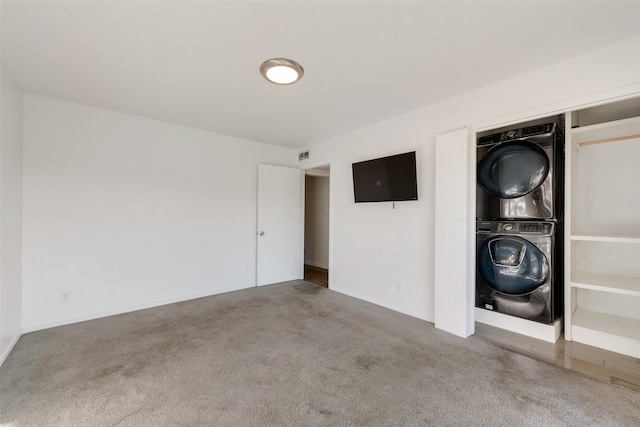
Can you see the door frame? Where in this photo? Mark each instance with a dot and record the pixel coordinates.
(331, 204)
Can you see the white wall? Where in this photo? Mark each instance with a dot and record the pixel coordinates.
(10, 212)
(386, 255)
(316, 221)
(115, 206)
(123, 212)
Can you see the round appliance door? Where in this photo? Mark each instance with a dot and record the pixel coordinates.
(513, 169)
(512, 265)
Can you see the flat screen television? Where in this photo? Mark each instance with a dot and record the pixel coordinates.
(388, 179)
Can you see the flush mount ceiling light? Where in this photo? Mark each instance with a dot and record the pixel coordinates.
(281, 71)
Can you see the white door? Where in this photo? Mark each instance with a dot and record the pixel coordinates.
(453, 295)
(279, 224)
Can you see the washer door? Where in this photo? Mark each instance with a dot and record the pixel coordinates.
(512, 265)
(513, 169)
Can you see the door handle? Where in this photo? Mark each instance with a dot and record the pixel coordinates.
(261, 233)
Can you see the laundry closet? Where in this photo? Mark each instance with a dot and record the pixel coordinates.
(558, 227)
(519, 226)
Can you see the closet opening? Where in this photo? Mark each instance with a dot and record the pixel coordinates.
(316, 225)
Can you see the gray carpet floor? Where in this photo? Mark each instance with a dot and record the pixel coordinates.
(291, 354)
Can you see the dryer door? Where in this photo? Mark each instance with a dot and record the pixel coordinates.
(513, 169)
(512, 265)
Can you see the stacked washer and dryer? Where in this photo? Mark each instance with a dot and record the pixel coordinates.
(519, 209)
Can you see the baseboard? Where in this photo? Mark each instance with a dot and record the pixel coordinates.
(317, 265)
(9, 348)
(541, 331)
(382, 304)
(129, 309)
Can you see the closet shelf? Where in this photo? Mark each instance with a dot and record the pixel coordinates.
(606, 237)
(607, 132)
(606, 283)
(609, 324)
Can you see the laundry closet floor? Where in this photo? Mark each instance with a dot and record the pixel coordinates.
(591, 361)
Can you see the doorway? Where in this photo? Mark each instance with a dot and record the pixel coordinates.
(316, 225)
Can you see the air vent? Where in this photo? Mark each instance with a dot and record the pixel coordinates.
(303, 155)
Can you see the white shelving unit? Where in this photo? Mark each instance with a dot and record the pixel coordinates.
(606, 283)
(602, 254)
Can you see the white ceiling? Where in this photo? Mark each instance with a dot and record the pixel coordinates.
(197, 63)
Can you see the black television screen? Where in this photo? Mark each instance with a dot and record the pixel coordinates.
(388, 179)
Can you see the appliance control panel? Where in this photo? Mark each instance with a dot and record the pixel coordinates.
(515, 227)
(537, 130)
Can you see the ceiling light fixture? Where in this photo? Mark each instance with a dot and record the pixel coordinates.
(281, 71)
